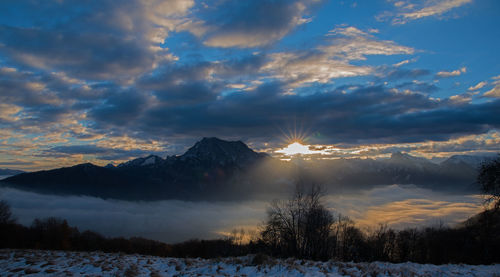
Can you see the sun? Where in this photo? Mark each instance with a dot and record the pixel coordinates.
(296, 148)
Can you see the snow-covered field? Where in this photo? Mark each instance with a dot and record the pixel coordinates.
(60, 263)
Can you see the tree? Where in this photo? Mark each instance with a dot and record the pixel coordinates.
(299, 226)
(489, 181)
(5, 213)
(53, 233)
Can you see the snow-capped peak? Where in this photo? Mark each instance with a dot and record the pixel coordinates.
(144, 161)
(221, 151)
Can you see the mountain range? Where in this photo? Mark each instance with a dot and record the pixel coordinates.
(6, 171)
(215, 169)
(206, 171)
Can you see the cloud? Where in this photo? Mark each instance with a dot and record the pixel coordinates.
(8, 112)
(333, 60)
(487, 144)
(100, 74)
(410, 10)
(495, 91)
(324, 62)
(355, 44)
(102, 153)
(175, 221)
(446, 74)
(167, 221)
(403, 62)
(418, 212)
(461, 98)
(387, 114)
(98, 41)
(246, 24)
(122, 107)
(403, 206)
(170, 109)
(478, 86)
(402, 73)
(298, 69)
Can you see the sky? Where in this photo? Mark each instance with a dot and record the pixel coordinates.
(106, 81)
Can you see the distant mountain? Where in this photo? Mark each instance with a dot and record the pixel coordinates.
(458, 173)
(473, 161)
(215, 169)
(149, 161)
(6, 171)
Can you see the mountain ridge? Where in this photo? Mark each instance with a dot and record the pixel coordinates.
(217, 169)
(203, 171)
(8, 171)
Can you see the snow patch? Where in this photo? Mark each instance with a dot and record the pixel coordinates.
(61, 263)
(150, 160)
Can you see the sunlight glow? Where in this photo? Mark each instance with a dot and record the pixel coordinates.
(297, 148)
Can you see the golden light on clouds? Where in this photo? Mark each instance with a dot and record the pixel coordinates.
(410, 212)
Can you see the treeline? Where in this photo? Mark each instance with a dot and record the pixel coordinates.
(302, 227)
(56, 234)
(475, 242)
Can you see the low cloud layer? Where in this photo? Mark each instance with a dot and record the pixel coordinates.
(174, 221)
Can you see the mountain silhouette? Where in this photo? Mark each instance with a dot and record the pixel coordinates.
(215, 169)
(203, 172)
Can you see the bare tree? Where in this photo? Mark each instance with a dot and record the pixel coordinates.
(5, 213)
(299, 226)
(489, 180)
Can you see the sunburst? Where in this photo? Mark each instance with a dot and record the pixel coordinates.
(294, 134)
(296, 148)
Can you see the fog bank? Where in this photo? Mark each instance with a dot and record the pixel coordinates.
(175, 220)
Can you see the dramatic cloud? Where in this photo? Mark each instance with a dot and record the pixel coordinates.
(103, 80)
(252, 23)
(365, 113)
(333, 60)
(98, 40)
(489, 144)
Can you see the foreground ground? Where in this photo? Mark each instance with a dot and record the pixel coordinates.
(60, 263)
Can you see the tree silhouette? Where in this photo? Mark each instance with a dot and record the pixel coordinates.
(5, 213)
(299, 226)
(489, 180)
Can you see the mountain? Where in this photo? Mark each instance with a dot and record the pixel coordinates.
(219, 152)
(6, 171)
(400, 168)
(215, 169)
(472, 161)
(406, 160)
(149, 161)
(208, 170)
